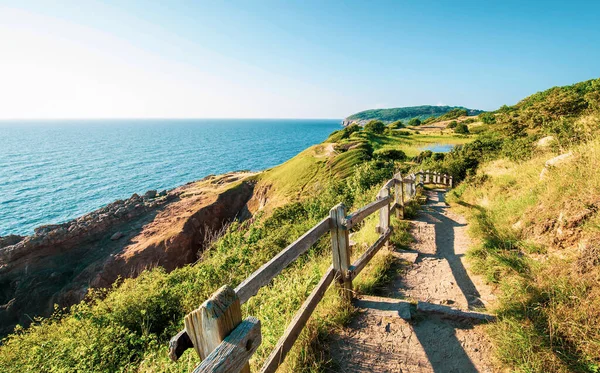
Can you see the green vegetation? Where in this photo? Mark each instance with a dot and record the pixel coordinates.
(452, 124)
(487, 118)
(414, 122)
(404, 113)
(461, 129)
(375, 126)
(537, 233)
(396, 125)
(452, 114)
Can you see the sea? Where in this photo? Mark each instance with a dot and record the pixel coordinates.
(54, 171)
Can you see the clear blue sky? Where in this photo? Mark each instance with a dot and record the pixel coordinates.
(284, 59)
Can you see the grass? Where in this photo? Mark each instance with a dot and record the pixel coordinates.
(537, 240)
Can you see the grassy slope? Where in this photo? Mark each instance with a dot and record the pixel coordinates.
(538, 237)
(127, 328)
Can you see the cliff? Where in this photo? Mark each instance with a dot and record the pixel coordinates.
(58, 263)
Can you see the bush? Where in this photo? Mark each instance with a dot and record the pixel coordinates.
(519, 149)
(487, 118)
(390, 155)
(396, 125)
(414, 122)
(462, 129)
(375, 126)
(423, 155)
(438, 156)
(453, 124)
(403, 133)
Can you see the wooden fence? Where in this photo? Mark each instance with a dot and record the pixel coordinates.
(225, 342)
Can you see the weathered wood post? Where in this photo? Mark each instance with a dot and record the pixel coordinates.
(399, 195)
(421, 177)
(451, 181)
(340, 244)
(427, 176)
(208, 325)
(384, 212)
(445, 179)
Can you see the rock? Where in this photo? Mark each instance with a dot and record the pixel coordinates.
(10, 240)
(162, 193)
(554, 162)
(518, 225)
(151, 194)
(116, 236)
(558, 160)
(545, 142)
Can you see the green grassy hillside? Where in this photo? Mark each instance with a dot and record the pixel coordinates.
(537, 221)
(404, 113)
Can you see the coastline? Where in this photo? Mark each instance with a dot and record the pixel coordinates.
(168, 229)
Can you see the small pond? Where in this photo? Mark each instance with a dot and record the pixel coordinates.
(438, 148)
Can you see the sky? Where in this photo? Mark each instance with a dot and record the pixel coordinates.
(285, 59)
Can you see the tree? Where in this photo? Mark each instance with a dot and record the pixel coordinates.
(375, 126)
(453, 124)
(462, 129)
(414, 122)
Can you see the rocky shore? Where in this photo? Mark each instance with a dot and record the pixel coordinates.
(60, 262)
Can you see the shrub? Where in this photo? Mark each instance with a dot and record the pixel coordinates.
(414, 122)
(462, 129)
(375, 126)
(423, 155)
(403, 133)
(453, 124)
(390, 155)
(438, 156)
(396, 125)
(487, 118)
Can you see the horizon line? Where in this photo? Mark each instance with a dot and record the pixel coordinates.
(166, 118)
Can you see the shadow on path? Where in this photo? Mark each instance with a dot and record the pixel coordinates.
(434, 213)
(442, 346)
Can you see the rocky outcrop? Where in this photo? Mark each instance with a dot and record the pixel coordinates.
(10, 240)
(49, 239)
(58, 263)
(554, 162)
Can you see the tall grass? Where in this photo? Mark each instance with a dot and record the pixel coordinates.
(537, 239)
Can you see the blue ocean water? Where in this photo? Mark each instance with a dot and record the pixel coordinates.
(54, 171)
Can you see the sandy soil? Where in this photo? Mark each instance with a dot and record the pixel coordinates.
(376, 342)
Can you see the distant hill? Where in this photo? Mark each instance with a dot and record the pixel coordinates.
(404, 113)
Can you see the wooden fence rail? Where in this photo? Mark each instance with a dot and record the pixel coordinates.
(216, 331)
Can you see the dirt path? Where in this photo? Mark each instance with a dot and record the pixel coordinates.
(379, 340)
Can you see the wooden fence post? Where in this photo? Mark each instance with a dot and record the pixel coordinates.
(445, 179)
(422, 177)
(399, 195)
(340, 244)
(384, 212)
(451, 181)
(208, 325)
(427, 176)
